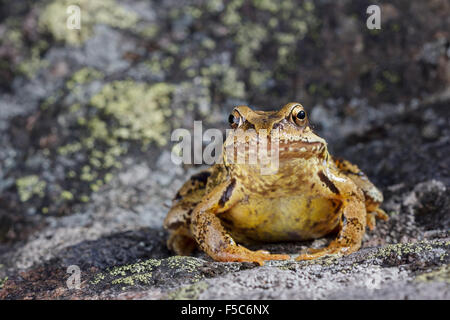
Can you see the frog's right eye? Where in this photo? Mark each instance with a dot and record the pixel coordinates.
(235, 119)
(298, 115)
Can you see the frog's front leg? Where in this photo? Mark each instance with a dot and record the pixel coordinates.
(178, 219)
(351, 229)
(212, 237)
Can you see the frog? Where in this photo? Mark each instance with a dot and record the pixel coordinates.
(231, 205)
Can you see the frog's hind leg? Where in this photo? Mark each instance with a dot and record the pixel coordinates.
(351, 228)
(181, 242)
(373, 196)
(178, 219)
(211, 235)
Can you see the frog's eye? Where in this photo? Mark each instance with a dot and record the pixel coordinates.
(235, 119)
(298, 115)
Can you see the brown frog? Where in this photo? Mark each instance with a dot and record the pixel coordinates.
(309, 196)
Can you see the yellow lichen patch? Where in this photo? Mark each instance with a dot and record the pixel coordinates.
(82, 76)
(108, 12)
(30, 66)
(2, 282)
(30, 186)
(131, 274)
(70, 148)
(442, 274)
(67, 195)
(140, 110)
(190, 292)
(131, 280)
(147, 265)
(188, 264)
(98, 278)
(401, 249)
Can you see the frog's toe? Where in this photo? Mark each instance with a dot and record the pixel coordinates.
(266, 255)
(318, 253)
(370, 221)
(242, 254)
(261, 256)
(380, 214)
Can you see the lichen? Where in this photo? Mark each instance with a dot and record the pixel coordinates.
(83, 76)
(143, 278)
(188, 264)
(147, 265)
(67, 195)
(3, 281)
(140, 110)
(143, 272)
(54, 17)
(30, 186)
(442, 275)
(99, 277)
(122, 112)
(401, 249)
(189, 292)
(33, 63)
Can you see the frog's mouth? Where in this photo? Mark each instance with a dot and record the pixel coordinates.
(283, 149)
(300, 149)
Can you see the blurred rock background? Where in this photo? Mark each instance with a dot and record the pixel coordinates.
(86, 117)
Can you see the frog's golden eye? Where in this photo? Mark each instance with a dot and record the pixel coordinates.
(235, 119)
(298, 116)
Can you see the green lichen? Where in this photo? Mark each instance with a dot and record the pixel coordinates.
(99, 277)
(401, 249)
(140, 110)
(142, 273)
(121, 112)
(54, 17)
(392, 77)
(190, 292)
(442, 275)
(30, 186)
(129, 275)
(70, 148)
(66, 195)
(83, 76)
(133, 279)
(249, 38)
(3, 281)
(145, 266)
(29, 61)
(33, 63)
(188, 264)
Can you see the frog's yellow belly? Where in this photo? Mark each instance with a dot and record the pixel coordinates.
(282, 219)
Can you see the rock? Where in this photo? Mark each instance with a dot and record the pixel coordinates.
(86, 176)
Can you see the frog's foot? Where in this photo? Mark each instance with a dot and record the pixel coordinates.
(372, 216)
(352, 228)
(371, 221)
(332, 249)
(239, 253)
(181, 244)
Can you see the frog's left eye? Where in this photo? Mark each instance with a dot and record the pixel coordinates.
(235, 119)
(298, 115)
